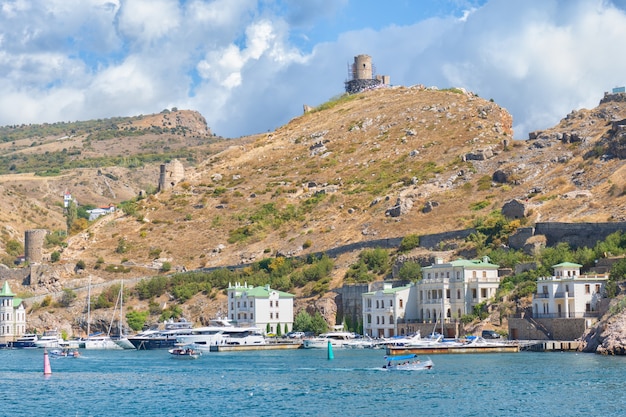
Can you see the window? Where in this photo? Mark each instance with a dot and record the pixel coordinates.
(251, 304)
(587, 288)
(276, 315)
(484, 274)
(232, 305)
(238, 304)
(377, 320)
(245, 304)
(473, 274)
(401, 303)
(271, 316)
(458, 295)
(251, 316)
(597, 287)
(390, 319)
(369, 319)
(390, 303)
(271, 303)
(377, 304)
(232, 295)
(448, 274)
(382, 303)
(276, 303)
(382, 320)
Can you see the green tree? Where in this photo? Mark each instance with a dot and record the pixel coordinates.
(55, 256)
(136, 319)
(302, 322)
(71, 216)
(409, 242)
(410, 271)
(318, 323)
(67, 297)
(14, 248)
(278, 330)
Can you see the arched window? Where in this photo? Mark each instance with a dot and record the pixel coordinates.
(390, 319)
(369, 319)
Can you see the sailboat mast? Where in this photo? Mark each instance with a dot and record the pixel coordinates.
(88, 307)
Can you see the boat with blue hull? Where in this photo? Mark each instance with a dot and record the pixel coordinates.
(161, 339)
(26, 341)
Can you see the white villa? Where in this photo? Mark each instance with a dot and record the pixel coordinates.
(260, 306)
(12, 315)
(383, 308)
(568, 294)
(452, 289)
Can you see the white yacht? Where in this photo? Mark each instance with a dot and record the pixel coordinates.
(221, 332)
(336, 339)
(100, 341)
(49, 339)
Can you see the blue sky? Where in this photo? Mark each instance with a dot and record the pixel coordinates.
(249, 65)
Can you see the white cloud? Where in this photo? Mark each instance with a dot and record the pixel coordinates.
(235, 62)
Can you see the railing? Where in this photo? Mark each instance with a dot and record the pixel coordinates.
(570, 315)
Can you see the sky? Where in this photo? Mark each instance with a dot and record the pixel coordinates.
(249, 66)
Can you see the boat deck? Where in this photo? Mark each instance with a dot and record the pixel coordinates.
(242, 348)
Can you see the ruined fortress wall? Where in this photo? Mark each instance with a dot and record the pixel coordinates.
(577, 234)
(33, 244)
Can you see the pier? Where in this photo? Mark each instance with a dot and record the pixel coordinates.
(552, 345)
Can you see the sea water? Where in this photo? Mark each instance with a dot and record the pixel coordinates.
(306, 383)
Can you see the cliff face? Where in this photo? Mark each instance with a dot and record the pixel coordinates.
(608, 337)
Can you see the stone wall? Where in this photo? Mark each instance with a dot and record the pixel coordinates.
(577, 234)
(558, 329)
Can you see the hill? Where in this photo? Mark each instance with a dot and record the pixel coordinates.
(379, 164)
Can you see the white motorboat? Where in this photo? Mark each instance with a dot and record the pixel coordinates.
(49, 339)
(100, 341)
(336, 339)
(407, 363)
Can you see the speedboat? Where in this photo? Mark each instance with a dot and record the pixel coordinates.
(407, 363)
(64, 353)
(336, 339)
(26, 341)
(161, 339)
(184, 352)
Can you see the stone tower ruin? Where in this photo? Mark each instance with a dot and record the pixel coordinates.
(33, 244)
(363, 75)
(171, 174)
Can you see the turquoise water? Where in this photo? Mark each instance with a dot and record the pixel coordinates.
(305, 382)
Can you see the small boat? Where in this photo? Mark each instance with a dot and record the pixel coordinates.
(64, 353)
(184, 352)
(407, 363)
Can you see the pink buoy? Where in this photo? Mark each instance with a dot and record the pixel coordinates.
(47, 370)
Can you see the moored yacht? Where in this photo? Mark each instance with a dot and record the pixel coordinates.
(336, 339)
(26, 341)
(161, 339)
(49, 339)
(222, 332)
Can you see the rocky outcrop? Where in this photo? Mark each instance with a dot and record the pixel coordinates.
(608, 337)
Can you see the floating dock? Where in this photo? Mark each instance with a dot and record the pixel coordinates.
(469, 348)
(244, 348)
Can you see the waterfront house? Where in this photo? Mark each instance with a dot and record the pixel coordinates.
(260, 307)
(12, 315)
(453, 289)
(568, 294)
(384, 308)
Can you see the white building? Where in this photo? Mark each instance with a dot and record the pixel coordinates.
(101, 211)
(260, 306)
(455, 288)
(383, 309)
(568, 294)
(12, 315)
